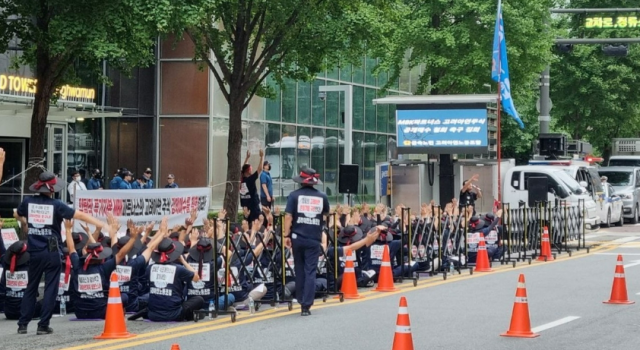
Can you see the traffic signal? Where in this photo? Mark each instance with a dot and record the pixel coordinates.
(615, 50)
(564, 48)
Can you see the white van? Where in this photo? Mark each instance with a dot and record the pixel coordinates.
(561, 185)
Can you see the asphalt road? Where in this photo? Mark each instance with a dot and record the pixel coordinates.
(463, 312)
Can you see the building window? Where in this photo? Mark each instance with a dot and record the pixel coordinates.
(289, 102)
(179, 137)
(304, 103)
(185, 88)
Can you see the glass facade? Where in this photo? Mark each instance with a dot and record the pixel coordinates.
(297, 128)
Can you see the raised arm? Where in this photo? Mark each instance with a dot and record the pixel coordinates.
(160, 234)
(88, 219)
(261, 162)
(246, 159)
(68, 226)
(2, 157)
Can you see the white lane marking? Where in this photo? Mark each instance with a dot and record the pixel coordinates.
(616, 254)
(623, 240)
(557, 323)
(634, 263)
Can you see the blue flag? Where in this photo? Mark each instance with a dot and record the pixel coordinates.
(500, 67)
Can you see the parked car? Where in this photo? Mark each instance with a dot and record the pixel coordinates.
(626, 183)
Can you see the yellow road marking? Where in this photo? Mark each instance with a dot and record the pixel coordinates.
(196, 328)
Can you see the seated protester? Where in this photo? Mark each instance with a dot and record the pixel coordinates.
(168, 280)
(478, 227)
(362, 256)
(268, 264)
(358, 243)
(240, 285)
(377, 250)
(105, 241)
(493, 239)
(143, 282)
(93, 274)
(129, 270)
(14, 280)
(201, 258)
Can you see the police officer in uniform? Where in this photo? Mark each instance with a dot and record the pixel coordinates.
(303, 223)
(44, 215)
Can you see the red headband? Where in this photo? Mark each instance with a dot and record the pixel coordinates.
(67, 269)
(49, 184)
(14, 258)
(94, 253)
(164, 257)
(309, 178)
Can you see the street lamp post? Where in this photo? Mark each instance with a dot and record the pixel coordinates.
(348, 120)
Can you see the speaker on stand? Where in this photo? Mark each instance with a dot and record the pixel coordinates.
(348, 180)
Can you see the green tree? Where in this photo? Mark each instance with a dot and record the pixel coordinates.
(454, 39)
(595, 96)
(252, 39)
(57, 35)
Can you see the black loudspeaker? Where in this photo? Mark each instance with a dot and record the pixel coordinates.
(348, 178)
(537, 188)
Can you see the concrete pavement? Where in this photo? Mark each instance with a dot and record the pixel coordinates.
(469, 313)
(464, 312)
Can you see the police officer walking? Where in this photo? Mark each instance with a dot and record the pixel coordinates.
(303, 223)
(44, 215)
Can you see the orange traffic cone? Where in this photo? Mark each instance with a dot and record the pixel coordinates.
(403, 340)
(385, 279)
(545, 247)
(482, 257)
(520, 324)
(619, 289)
(114, 325)
(175, 347)
(349, 287)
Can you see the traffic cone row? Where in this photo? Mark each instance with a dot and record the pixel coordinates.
(349, 287)
(403, 340)
(385, 279)
(520, 323)
(619, 288)
(482, 257)
(114, 324)
(545, 247)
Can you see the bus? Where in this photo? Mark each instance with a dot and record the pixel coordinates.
(291, 153)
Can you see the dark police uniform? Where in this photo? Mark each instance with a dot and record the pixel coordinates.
(44, 217)
(307, 206)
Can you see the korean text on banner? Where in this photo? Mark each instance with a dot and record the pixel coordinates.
(144, 206)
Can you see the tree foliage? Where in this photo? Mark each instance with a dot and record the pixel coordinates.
(454, 39)
(594, 95)
(55, 35)
(244, 41)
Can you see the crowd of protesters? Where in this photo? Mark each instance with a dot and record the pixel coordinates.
(179, 273)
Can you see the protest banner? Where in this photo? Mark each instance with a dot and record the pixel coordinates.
(145, 206)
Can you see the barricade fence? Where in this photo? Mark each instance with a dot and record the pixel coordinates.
(439, 243)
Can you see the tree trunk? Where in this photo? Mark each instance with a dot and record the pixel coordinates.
(234, 147)
(44, 91)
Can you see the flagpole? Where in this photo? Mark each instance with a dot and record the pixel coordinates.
(498, 108)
